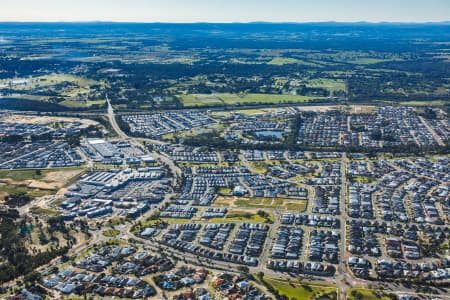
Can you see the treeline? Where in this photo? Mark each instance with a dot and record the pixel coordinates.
(17, 199)
(31, 105)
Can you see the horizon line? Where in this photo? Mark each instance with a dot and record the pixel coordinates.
(223, 22)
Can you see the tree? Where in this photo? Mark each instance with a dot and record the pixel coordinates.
(32, 277)
(17, 199)
(260, 275)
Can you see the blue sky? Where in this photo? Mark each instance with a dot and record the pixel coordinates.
(225, 10)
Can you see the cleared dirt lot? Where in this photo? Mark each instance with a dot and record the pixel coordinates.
(44, 119)
(28, 181)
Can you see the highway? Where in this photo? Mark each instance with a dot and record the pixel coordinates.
(113, 122)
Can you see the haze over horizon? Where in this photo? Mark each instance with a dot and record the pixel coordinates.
(216, 11)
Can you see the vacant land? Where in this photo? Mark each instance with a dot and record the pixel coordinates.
(193, 100)
(44, 211)
(257, 111)
(261, 202)
(365, 294)
(23, 119)
(258, 167)
(298, 290)
(51, 80)
(425, 103)
(242, 216)
(81, 103)
(35, 183)
(111, 233)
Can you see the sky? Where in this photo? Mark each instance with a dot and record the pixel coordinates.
(226, 10)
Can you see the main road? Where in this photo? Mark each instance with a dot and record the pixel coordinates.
(113, 122)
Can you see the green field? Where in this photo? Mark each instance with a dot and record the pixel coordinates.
(176, 220)
(199, 100)
(259, 168)
(280, 61)
(224, 191)
(89, 103)
(362, 179)
(261, 203)
(332, 85)
(368, 61)
(233, 99)
(79, 103)
(111, 233)
(193, 100)
(365, 294)
(277, 203)
(426, 103)
(155, 223)
(298, 290)
(242, 216)
(256, 111)
(44, 211)
(20, 175)
(30, 83)
(33, 193)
